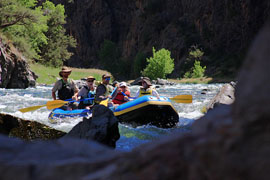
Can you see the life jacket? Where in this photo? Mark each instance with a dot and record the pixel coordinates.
(119, 98)
(144, 92)
(66, 91)
(91, 94)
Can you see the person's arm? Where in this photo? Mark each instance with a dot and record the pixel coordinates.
(137, 94)
(53, 95)
(76, 90)
(127, 95)
(155, 93)
(100, 91)
(55, 88)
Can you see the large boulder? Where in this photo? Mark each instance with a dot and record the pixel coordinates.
(224, 96)
(101, 127)
(15, 72)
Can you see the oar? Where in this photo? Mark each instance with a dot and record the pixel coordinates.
(186, 98)
(50, 105)
(32, 108)
(105, 102)
(177, 99)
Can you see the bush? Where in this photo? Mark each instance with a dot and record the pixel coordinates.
(197, 71)
(160, 65)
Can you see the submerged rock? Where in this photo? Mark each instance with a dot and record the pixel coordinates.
(27, 130)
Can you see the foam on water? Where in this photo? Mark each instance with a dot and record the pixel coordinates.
(14, 99)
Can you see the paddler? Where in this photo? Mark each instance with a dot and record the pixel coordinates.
(146, 88)
(104, 89)
(66, 88)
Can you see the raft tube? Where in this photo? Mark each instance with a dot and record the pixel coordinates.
(148, 110)
(60, 113)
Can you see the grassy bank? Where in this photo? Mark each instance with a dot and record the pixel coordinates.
(48, 75)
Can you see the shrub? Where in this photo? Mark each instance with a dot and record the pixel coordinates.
(197, 71)
(160, 65)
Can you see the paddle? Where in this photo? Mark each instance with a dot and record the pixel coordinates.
(186, 98)
(50, 105)
(178, 98)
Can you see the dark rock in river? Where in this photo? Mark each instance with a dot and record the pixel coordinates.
(101, 127)
(27, 130)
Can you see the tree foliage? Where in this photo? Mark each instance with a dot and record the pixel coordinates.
(36, 30)
(55, 52)
(197, 71)
(160, 65)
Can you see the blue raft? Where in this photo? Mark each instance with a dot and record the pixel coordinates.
(148, 110)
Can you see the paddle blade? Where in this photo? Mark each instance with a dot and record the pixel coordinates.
(182, 99)
(104, 102)
(55, 104)
(32, 108)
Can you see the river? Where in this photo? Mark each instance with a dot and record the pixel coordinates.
(13, 99)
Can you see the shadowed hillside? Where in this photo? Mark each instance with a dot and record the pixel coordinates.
(223, 29)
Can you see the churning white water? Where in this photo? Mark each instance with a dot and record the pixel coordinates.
(14, 99)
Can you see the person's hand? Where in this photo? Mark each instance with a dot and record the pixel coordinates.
(109, 96)
(126, 98)
(74, 98)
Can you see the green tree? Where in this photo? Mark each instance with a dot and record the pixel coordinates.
(55, 52)
(23, 23)
(197, 71)
(37, 31)
(160, 65)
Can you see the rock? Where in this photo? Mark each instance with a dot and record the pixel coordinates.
(102, 127)
(224, 96)
(138, 26)
(15, 72)
(27, 130)
(164, 82)
(66, 158)
(136, 81)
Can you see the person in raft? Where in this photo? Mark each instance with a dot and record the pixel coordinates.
(122, 95)
(104, 89)
(87, 91)
(146, 88)
(66, 89)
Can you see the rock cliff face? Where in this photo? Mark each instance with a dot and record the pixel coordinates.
(224, 29)
(15, 72)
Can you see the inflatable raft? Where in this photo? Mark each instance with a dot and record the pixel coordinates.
(141, 111)
(148, 110)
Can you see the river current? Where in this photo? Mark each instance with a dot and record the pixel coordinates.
(14, 99)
